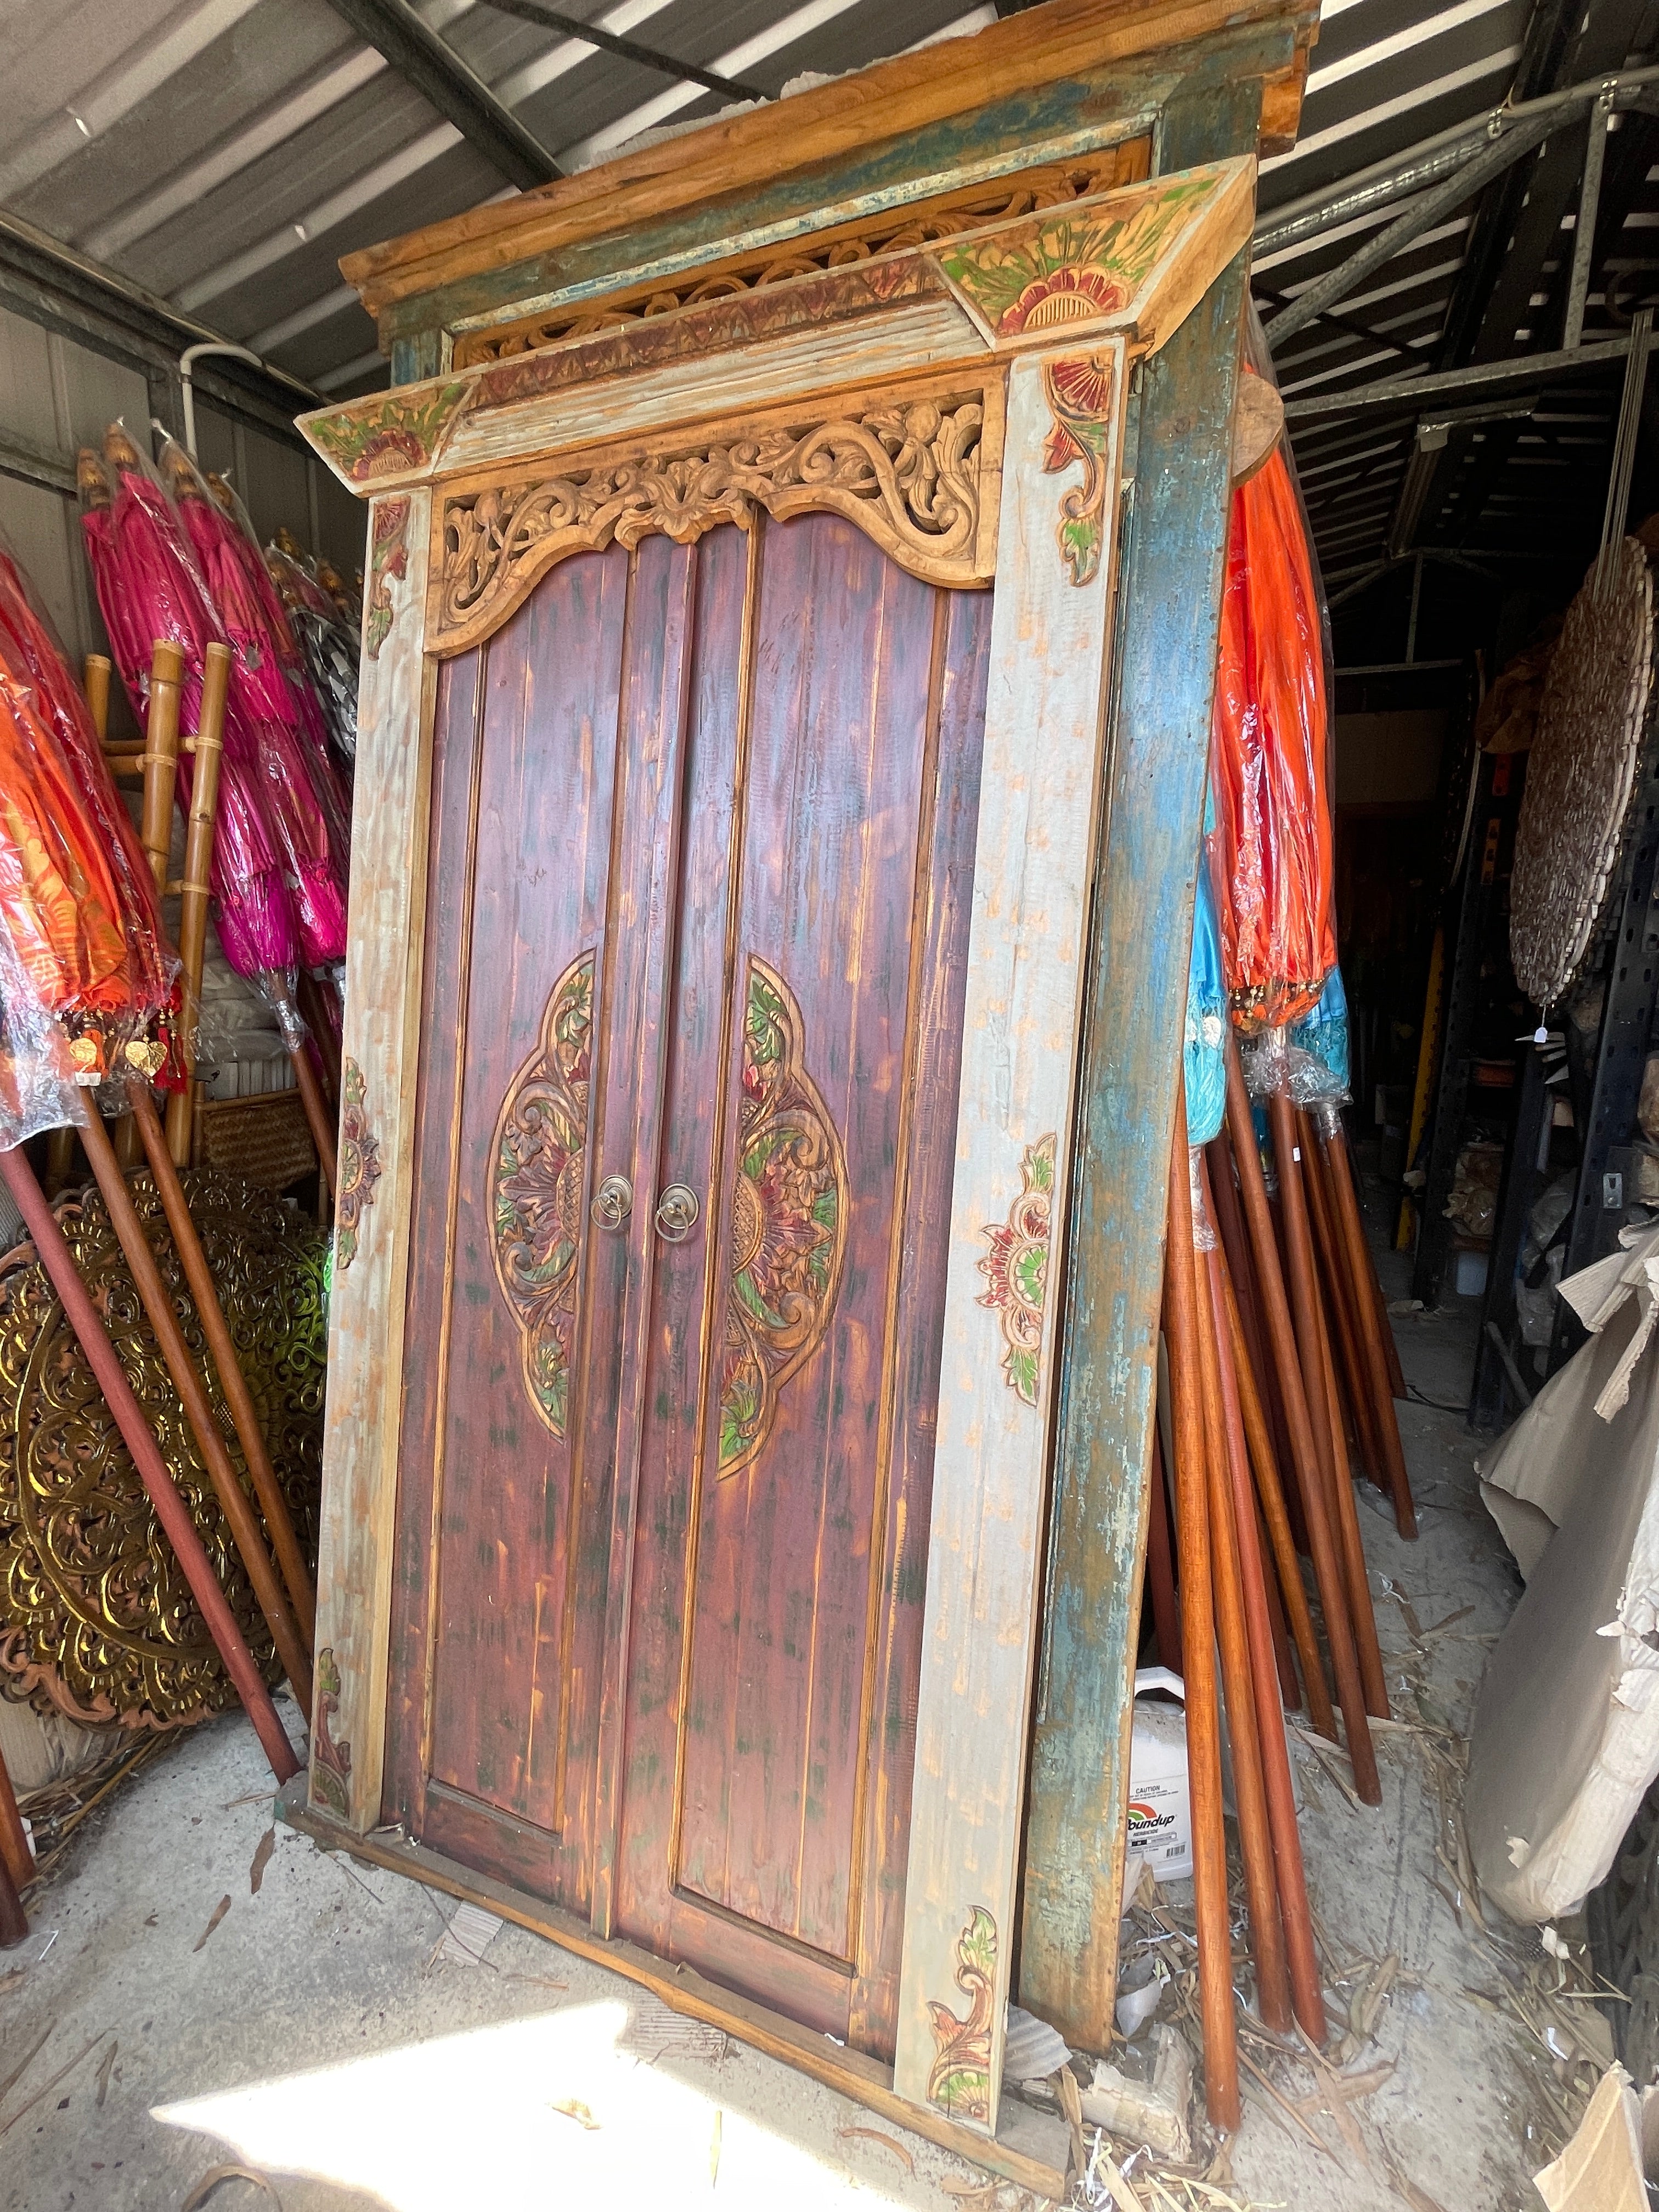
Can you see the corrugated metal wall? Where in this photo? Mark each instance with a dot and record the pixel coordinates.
(55, 395)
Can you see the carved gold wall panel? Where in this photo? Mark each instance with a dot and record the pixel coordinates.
(918, 469)
(96, 1619)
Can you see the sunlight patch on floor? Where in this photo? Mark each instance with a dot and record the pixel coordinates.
(475, 2119)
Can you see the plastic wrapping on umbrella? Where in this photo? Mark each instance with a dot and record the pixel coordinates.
(1272, 1063)
(1269, 759)
(30, 652)
(148, 588)
(1204, 1056)
(38, 1086)
(1323, 1031)
(303, 807)
(330, 644)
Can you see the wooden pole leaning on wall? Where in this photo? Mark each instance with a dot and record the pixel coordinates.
(1331, 1255)
(317, 1115)
(170, 1508)
(239, 1516)
(14, 1853)
(1306, 1991)
(14, 1921)
(1210, 1902)
(1307, 1467)
(207, 747)
(1256, 1841)
(231, 1380)
(160, 756)
(1375, 1337)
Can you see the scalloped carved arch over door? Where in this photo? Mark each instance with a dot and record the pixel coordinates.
(704, 824)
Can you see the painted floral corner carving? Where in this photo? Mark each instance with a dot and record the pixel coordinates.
(360, 1166)
(1016, 1269)
(1081, 392)
(786, 1231)
(538, 1189)
(959, 2080)
(1064, 268)
(331, 1761)
(388, 560)
(392, 434)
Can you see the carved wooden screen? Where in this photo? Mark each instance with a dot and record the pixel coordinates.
(704, 824)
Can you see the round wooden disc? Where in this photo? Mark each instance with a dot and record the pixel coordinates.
(1580, 773)
(1258, 425)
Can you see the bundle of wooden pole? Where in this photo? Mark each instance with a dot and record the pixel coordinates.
(1278, 1357)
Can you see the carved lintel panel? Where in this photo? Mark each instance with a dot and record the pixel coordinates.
(919, 471)
(843, 246)
(787, 1230)
(538, 1188)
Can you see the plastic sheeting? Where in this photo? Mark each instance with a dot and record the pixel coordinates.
(1205, 1057)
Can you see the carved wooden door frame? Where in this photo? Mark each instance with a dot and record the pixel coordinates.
(855, 389)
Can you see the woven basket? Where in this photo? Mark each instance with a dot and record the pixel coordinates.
(265, 1139)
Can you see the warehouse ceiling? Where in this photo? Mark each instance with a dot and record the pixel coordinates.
(217, 157)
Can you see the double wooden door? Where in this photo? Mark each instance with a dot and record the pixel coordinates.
(704, 823)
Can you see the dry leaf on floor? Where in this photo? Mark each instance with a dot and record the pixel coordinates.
(887, 2142)
(214, 1918)
(104, 2066)
(210, 2180)
(22, 2067)
(573, 2109)
(46, 2088)
(263, 1851)
(972, 2196)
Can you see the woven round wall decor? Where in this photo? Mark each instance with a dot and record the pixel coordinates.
(1580, 774)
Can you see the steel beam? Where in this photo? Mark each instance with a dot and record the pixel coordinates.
(1406, 394)
(437, 72)
(629, 50)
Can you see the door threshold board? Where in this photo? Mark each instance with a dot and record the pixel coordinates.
(1033, 2152)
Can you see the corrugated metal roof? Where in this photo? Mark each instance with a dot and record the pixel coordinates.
(223, 153)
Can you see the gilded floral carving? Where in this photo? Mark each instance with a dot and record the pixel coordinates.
(538, 1188)
(1080, 390)
(786, 1231)
(360, 1165)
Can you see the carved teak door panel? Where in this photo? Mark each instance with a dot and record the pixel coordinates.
(704, 824)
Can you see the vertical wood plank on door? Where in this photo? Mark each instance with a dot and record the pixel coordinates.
(366, 1319)
(525, 839)
(1134, 1017)
(1040, 780)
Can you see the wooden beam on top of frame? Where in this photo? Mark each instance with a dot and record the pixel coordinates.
(1059, 41)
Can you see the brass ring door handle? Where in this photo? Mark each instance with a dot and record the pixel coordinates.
(613, 1201)
(677, 1213)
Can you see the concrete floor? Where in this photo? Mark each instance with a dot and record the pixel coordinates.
(309, 2032)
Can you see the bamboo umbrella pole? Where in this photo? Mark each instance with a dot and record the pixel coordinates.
(1305, 1462)
(161, 757)
(14, 1853)
(1255, 1836)
(231, 1380)
(170, 1508)
(1210, 1905)
(1332, 1271)
(239, 1516)
(1361, 1611)
(1374, 1330)
(1160, 1564)
(322, 1129)
(208, 745)
(1239, 1502)
(1279, 1527)
(95, 672)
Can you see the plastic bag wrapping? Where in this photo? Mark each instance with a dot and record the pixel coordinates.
(303, 807)
(1204, 1056)
(39, 1089)
(328, 642)
(30, 653)
(1270, 766)
(1272, 1063)
(149, 587)
(1323, 1031)
(1204, 1237)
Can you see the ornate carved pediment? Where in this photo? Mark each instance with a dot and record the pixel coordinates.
(919, 471)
